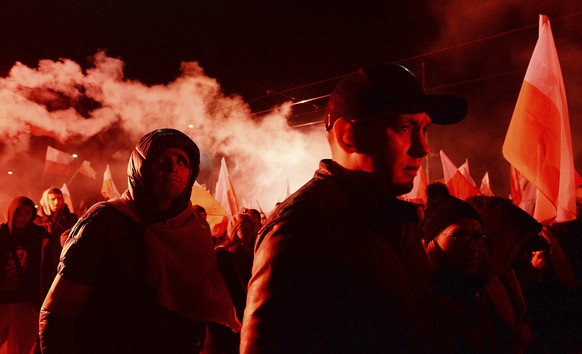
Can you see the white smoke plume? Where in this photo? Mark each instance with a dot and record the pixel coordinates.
(101, 114)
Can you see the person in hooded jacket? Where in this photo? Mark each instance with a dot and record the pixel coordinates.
(20, 274)
(54, 215)
(138, 273)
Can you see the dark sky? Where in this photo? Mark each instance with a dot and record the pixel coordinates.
(273, 51)
(252, 47)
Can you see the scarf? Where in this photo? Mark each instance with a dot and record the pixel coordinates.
(182, 268)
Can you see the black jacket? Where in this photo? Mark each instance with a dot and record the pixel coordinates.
(20, 258)
(338, 269)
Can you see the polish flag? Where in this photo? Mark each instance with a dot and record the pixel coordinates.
(57, 162)
(517, 185)
(87, 170)
(449, 168)
(465, 171)
(67, 197)
(485, 188)
(458, 180)
(528, 198)
(418, 192)
(538, 141)
(108, 188)
(225, 193)
(460, 187)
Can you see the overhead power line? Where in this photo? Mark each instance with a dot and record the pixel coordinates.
(438, 51)
(285, 93)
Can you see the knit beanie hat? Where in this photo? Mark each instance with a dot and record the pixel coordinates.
(510, 228)
(442, 210)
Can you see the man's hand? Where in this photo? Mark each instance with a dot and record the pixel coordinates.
(539, 259)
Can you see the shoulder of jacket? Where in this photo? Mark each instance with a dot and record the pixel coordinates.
(98, 212)
(316, 196)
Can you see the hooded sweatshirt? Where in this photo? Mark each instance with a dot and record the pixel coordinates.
(20, 257)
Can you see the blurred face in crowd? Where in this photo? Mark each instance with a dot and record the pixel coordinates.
(169, 174)
(461, 243)
(203, 214)
(246, 232)
(22, 216)
(255, 215)
(55, 202)
(393, 146)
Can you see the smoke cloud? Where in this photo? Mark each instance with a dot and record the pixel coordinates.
(100, 115)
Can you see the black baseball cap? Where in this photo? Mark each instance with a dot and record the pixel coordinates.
(390, 88)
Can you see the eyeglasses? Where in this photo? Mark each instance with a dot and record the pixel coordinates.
(463, 238)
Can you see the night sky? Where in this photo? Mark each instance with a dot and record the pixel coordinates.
(252, 48)
(271, 52)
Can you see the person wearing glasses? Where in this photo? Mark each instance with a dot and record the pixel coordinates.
(474, 308)
(525, 251)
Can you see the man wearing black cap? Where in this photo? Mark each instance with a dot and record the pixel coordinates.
(339, 267)
(138, 273)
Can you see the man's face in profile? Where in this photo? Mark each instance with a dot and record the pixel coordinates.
(395, 145)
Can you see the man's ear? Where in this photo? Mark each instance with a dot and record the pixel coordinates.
(344, 133)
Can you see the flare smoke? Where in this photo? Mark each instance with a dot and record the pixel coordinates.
(100, 113)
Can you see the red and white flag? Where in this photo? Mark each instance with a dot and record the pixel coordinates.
(528, 198)
(456, 179)
(87, 170)
(57, 162)
(418, 192)
(485, 188)
(538, 141)
(460, 187)
(67, 197)
(108, 188)
(225, 193)
(449, 168)
(517, 185)
(466, 172)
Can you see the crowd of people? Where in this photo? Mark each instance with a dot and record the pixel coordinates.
(343, 265)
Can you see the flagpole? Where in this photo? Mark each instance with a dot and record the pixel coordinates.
(73, 176)
(259, 205)
(42, 178)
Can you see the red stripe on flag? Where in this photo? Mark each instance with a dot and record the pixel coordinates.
(56, 168)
